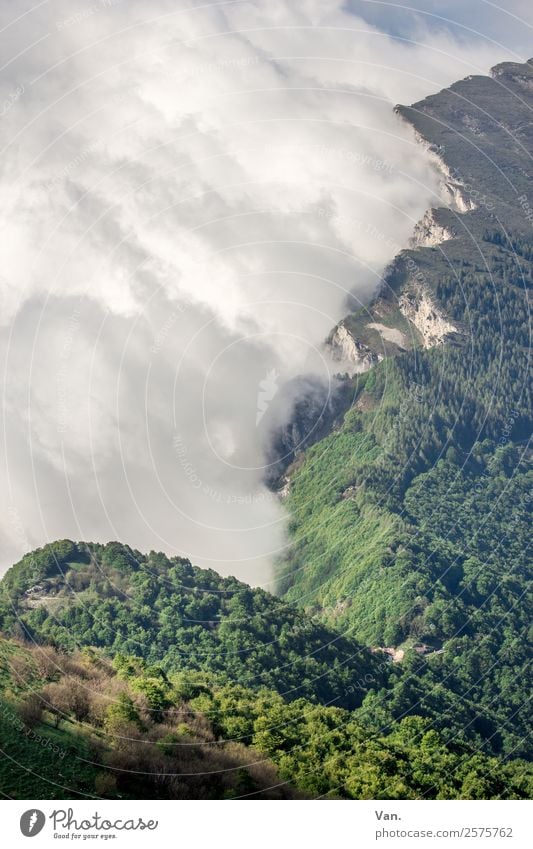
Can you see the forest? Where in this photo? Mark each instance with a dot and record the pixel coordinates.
(126, 729)
(394, 660)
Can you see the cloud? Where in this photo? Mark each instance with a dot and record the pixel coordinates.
(189, 195)
(505, 27)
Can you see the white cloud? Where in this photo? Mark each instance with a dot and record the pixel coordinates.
(188, 196)
(504, 27)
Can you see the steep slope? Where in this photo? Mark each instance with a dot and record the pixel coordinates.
(410, 522)
(480, 137)
(167, 611)
(74, 725)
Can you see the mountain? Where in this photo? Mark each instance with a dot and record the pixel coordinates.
(410, 521)
(75, 725)
(72, 595)
(395, 663)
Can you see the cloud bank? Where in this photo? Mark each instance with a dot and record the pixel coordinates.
(189, 195)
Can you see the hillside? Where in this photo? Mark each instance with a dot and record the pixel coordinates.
(167, 611)
(411, 521)
(72, 727)
(75, 725)
(395, 663)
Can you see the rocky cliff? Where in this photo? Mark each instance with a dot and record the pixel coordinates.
(467, 128)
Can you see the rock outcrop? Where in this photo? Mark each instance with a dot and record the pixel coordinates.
(419, 308)
(455, 189)
(348, 351)
(430, 232)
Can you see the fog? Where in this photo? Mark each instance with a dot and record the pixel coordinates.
(189, 195)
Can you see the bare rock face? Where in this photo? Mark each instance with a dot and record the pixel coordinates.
(429, 232)
(418, 307)
(454, 188)
(354, 355)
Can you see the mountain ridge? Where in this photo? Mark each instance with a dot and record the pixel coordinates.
(74, 595)
(441, 423)
(396, 663)
(454, 125)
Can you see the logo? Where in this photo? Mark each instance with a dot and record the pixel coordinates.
(67, 821)
(32, 822)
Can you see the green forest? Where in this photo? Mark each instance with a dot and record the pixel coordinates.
(77, 724)
(394, 660)
(411, 520)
